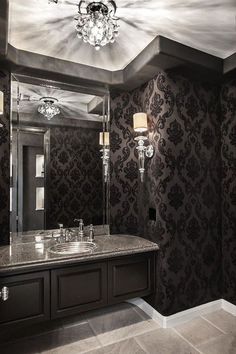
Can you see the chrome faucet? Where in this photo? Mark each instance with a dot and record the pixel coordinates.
(91, 233)
(81, 228)
(61, 229)
(81, 232)
(68, 235)
(64, 235)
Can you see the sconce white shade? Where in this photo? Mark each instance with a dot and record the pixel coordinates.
(1, 102)
(140, 122)
(104, 138)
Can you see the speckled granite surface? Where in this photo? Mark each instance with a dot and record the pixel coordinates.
(32, 254)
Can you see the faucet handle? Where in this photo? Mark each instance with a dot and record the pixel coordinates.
(91, 233)
(78, 220)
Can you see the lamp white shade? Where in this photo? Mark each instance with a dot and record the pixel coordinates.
(104, 138)
(1, 102)
(140, 122)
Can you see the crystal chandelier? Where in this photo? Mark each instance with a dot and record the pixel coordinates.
(96, 22)
(48, 107)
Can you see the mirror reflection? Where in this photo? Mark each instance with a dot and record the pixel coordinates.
(59, 170)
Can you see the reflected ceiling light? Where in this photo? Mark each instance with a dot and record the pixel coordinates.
(48, 107)
(96, 22)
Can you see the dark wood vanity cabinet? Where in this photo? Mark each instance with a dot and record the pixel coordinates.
(77, 289)
(72, 289)
(28, 298)
(130, 277)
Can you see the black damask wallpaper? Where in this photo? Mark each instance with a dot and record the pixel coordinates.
(228, 152)
(75, 178)
(182, 183)
(4, 159)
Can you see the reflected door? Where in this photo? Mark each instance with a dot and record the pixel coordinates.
(33, 188)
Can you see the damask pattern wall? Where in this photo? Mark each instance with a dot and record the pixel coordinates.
(228, 152)
(4, 159)
(182, 183)
(75, 177)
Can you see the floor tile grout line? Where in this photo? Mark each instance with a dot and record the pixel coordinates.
(184, 339)
(149, 319)
(95, 334)
(221, 330)
(140, 344)
(140, 314)
(211, 340)
(128, 337)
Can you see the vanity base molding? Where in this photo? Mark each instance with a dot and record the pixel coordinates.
(75, 288)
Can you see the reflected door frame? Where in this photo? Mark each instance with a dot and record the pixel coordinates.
(39, 141)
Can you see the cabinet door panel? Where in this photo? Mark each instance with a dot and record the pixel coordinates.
(78, 289)
(130, 277)
(28, 299)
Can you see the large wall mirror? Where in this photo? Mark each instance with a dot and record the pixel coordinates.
(59, 156)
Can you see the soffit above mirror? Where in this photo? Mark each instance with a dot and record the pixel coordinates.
(49, 29)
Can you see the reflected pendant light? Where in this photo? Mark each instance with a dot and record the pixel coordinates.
(48, 107)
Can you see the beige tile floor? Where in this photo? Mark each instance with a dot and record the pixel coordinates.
(125, 329)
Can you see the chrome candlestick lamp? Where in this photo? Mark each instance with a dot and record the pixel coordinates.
(140, 126)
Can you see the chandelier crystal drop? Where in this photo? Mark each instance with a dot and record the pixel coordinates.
(48, 107)
(96, 22)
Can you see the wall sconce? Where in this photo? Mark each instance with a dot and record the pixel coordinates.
(104, 141)
(140, 126)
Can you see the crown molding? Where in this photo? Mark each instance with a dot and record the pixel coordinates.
(161, 54)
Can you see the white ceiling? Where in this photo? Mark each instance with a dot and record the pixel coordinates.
(49, 29)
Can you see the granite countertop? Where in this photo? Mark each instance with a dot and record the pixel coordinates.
(25, 255)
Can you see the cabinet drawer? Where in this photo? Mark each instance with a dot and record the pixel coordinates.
(78, 289)
(28, 299)
(130, 277)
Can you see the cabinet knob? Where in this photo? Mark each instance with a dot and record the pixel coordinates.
(4, 293)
